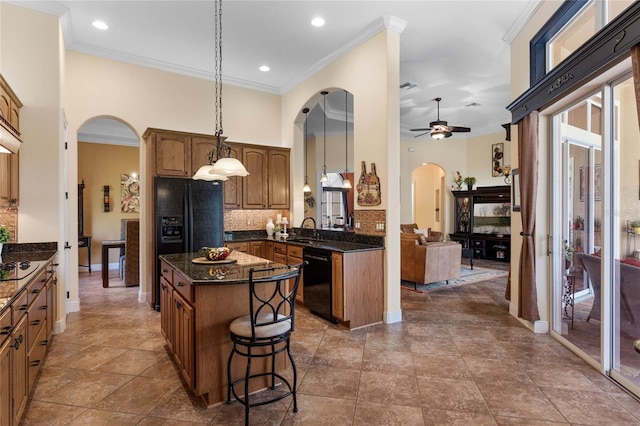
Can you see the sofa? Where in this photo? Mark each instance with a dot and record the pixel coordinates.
(429, 262)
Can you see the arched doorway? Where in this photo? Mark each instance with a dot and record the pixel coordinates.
(108, 168)
(428, 192)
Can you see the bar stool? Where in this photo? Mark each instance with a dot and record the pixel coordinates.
(266, 331)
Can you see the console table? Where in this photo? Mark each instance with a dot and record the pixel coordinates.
(106, 245)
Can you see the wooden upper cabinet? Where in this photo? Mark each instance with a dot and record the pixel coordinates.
(9, 180)
(278, 178)
(233, 186)
(254, 186)
(200, 149)
(173, 154)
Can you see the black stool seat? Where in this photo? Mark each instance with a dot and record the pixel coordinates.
(266, 332)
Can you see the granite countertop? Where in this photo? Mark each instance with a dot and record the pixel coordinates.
(333, 245)
(10, 289)
(219, 273)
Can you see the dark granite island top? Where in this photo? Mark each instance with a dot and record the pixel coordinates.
(216, 272)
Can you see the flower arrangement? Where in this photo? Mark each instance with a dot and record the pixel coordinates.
(578, 224)
(457, 181)
(5, 235)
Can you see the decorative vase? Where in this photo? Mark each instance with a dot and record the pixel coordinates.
(469, 186)
(270, 227)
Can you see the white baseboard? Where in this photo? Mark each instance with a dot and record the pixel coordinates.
(392, 317)
(541, 327)
(73, 306)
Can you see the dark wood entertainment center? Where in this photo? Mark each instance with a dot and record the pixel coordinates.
(482, 221)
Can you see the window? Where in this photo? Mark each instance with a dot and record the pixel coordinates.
(334, 202)
(570, 27)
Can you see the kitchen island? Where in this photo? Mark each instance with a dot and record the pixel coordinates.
(197, 304)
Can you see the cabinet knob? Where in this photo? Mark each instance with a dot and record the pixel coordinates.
(179, 284)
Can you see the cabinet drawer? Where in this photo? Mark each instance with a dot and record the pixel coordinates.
(243, 247)
(280, 258)
(279, 248)
(37, 317)
(19, 307)
(295, 251)
(166, 271)
(35, 288)
(36, 355)
(184, 287)
(5, 325)
(478, 252)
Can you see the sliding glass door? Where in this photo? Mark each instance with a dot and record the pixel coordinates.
(596, 251)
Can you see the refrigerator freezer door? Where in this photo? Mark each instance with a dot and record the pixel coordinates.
(206, 221)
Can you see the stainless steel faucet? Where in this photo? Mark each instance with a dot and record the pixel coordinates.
(305, 219)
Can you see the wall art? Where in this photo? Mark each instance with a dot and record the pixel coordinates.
(368, 187)
(497, 159)
(129, 193)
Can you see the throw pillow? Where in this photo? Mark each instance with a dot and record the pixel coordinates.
(423, 240)
(408, 227)
(424, 232)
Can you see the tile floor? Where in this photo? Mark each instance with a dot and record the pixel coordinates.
(457, 358)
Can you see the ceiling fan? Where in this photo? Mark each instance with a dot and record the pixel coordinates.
(440, 129)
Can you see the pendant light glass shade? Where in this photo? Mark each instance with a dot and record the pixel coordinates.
(346, 183)
(207, 173)
(229, 167)
(306, 187)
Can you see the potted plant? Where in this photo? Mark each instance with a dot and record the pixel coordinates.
(635, 225)
(469, 181)
(5, 236)
(568, 253)
(578, 224)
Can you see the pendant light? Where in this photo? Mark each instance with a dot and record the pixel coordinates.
(224, 165)
(324, 178)
(346, 183)
(306, 187)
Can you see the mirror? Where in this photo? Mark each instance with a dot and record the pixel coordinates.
(329, 146)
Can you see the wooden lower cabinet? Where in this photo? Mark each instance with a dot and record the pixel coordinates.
(294, 257)
(256, 248)
(166, 323)
(358, 287)
(184, 330)
(19, 370)
(25, 333)
(337, 305)
(202, 344)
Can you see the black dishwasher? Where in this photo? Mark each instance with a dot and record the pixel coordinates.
(317, 282)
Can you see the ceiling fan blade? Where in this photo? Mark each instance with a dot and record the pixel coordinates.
(459, 129)
(425, 129)
(421, 134)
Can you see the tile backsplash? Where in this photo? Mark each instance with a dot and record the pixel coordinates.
(370, 222)
(238, 220)
(9, 218)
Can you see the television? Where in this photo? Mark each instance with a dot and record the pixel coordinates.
(492, 218)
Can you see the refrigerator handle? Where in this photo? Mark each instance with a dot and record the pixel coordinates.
(188, 214)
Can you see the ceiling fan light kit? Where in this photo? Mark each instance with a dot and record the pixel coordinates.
(440, 129)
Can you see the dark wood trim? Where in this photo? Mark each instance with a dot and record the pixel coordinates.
(607, 48)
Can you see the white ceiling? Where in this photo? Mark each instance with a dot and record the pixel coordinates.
(456, 50)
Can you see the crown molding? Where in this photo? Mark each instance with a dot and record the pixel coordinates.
(521, 21)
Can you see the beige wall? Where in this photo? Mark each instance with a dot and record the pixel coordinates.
(100, 165)
(31, 62)
(143, 97)
(376, 133)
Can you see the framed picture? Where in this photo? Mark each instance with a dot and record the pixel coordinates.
(497, 159)
(515, 187)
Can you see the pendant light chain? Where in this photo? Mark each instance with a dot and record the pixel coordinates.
(324, 177)
(218, 66)
(346, 130)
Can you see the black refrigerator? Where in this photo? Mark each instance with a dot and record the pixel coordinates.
(189, 215)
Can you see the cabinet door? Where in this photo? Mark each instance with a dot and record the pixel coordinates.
(278, 178)
(5, 382)
(9, 173)
(254, 186)
(19, 381)
(233, 186)
(173, 154)
(337, 286)
(268, 250)
(184, 349)
(200, 149)
(292, 260)
(166, 319)
(256, 248)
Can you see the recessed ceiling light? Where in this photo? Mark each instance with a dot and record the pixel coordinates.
(264, 68)
(100, 25)
(317, 22)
